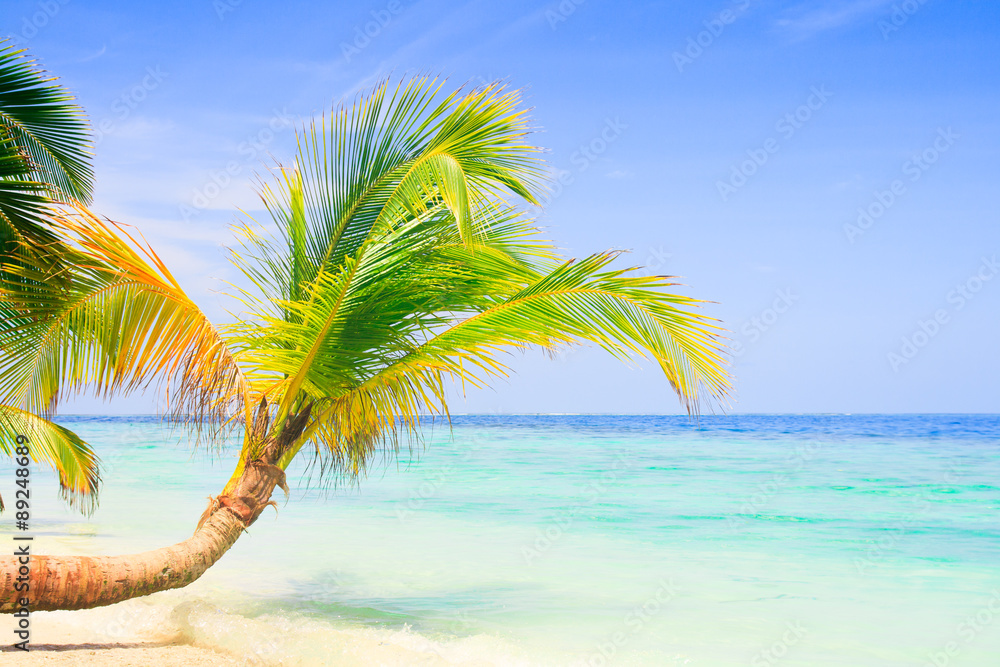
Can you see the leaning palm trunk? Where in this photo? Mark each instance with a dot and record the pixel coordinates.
(83, 582)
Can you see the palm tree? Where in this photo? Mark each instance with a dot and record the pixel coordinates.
(44, 159)
(403, 258)
(44, 148)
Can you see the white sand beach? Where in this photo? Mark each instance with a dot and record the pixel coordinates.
(55, 642)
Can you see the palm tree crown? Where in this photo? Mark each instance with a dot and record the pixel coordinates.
(398, 256)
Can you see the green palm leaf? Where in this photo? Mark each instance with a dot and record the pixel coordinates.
(44, 157)
(23, 203)
(112, 319)
(42, 119)
(404, 260)
(56, 446)
(402, 264)
(398, 152)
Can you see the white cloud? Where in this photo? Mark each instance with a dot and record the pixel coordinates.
(807, 20)
(141, 127)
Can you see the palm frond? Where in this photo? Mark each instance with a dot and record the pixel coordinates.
(626, 315)
(24, 203)
(398, 153)
(58, 447)
(113, 320)
(417, 270)
(42, 118)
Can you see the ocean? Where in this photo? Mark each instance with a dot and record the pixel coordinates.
(752, 540)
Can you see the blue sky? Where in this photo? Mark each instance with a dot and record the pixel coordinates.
(825, 172)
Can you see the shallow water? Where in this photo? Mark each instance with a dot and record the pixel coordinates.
(588, 540)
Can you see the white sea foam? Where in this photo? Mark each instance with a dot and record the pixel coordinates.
(273, 640)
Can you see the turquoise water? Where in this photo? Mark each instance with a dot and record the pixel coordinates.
(581, 540)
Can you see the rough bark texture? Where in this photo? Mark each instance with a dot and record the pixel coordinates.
(83, 582)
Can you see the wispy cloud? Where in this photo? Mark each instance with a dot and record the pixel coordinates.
(95, 56)
(807, 20)
(142, 128)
